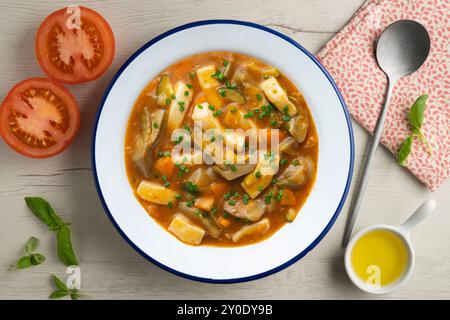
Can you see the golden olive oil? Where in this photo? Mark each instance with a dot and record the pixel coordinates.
(379, 257)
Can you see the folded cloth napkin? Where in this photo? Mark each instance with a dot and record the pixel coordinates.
(350, 60)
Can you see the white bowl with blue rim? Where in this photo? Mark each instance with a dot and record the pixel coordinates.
(220, 264)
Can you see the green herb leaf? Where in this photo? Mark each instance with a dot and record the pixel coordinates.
(416, 114)
(59, 284)
(405, 150)
(58, 294)
(44, 212)
(24, 262)
(31, 245)
(37, 259)
(64, 246)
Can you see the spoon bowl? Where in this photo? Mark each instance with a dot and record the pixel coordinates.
(402, 48)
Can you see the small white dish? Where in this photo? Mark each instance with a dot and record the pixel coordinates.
(218, 264)
(402, 232)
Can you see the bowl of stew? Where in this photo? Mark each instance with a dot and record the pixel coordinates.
(222, 151)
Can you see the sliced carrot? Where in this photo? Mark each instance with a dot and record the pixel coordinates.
(219, 188)
(205, 203)
(199, 99)
(165, 166)
(224, 222)
(288, 198)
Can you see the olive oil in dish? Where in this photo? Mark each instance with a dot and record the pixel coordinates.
(380, 257)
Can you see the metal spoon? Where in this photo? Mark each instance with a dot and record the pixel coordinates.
(401, 49)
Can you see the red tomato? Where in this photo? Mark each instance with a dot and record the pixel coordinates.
(39, 118)
(75, 45)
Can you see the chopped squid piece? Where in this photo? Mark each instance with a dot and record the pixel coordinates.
(257, 228)
(179, 105)
(184, 229)
(278, 96)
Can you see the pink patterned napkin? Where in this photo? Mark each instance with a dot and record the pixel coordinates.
(350, 60)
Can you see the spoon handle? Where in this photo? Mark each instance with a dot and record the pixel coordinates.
(419, 215)
(366, 166)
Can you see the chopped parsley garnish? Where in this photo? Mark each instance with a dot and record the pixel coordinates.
(285, 117)
(189, 86)
(232, 202)
(211, 107)
(218, 75)
(225, 63)
(178, 196)
(283, 162)
(268, 197)
(279, 196)
(260, 188)
(213, 210)
(173, 97)
(182, 169)
(249, 114)
(212, 139)
(245, 198)
(226, 215)
(163, 154)
(233, 168)
(166, 182)
(186, 93)
(223, 93)
(170, 204)
(155, 125)
(190, 203)
(217, 113)
(191, 75)
(295, 162)
(191, 187)
(259, 96)
(230, 85)
(274, 123)
(199, 106)
(258, 174)
(168, 100)
(178, 139)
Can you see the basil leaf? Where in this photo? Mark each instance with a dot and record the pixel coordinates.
(416, 114)
(57, 294)
(64, 246)
(59, 284)
(44, 212)
(31, 245)
(74, 296)
(37, 259)
(405, 150)
(24, 262)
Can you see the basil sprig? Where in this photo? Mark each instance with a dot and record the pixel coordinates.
(44, 212)
(415, 117)
(30, 258)
(62, 290)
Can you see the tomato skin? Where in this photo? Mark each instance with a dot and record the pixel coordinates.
(13, 98)
(82, 74)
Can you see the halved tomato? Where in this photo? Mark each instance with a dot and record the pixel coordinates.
(39, 118)
(75, 45)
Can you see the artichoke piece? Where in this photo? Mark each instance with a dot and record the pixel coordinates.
(152, 124)
(234, 171)
(298, 126)
(260, 227)
(252, 211)
(212, 228)
(164, 91)
(297, 173)
(288, 146)
(232, 94)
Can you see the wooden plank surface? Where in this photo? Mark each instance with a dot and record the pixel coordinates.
(110, 268)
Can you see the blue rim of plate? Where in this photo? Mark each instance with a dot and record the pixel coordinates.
(344, 108)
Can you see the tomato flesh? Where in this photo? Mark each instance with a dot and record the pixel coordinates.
(39, 118)
(75, 55)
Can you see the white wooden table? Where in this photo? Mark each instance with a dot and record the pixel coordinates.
(110, 268)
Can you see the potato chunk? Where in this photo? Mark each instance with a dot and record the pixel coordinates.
(260, 227)
(261, 177)
(278, 96)
(185, 230)
(155, 192)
